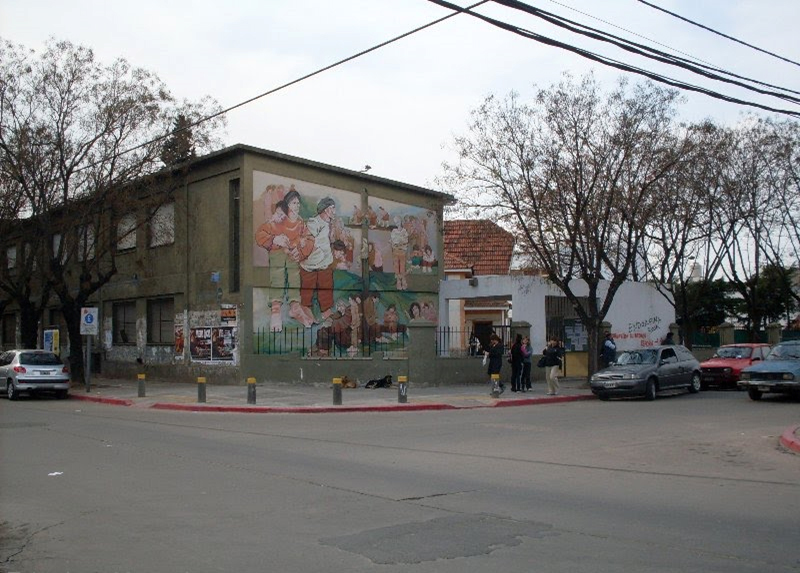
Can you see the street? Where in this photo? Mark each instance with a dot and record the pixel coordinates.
(686, 483)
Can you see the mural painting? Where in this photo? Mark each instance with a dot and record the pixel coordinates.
(338, 268)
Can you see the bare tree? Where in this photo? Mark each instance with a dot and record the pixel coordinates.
(574, 176)
(81, 142)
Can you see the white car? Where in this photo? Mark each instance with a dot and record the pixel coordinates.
(33, 371)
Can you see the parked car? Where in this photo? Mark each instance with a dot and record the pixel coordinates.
(647, 371)
(33, 371)
(779, 372)
(724, 367)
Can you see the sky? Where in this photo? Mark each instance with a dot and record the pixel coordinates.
(398, 109)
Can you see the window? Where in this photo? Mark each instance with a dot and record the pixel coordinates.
(160, 321)
(9, 329)
(233, 189)
(124, 323)
(126, 232)
(85, 243)
(11, 257)
(58, 254)
(162, 226)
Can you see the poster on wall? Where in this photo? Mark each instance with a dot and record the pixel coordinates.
(212, 343)
(179, 340)
(228, 314)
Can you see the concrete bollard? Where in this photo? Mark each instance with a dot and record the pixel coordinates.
(495, 386)
(337, 391)
(402, 389)
(201, 389)
(251, 390)
(141, 378)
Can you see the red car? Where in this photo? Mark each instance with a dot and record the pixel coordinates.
(724, 367)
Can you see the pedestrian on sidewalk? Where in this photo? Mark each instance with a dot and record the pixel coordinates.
(527, 353)
(516, 365)
(552, 365)
(494, 356)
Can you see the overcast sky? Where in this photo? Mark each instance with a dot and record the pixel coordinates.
(398, 108)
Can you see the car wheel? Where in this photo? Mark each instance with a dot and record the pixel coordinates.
(11, 391)
(62, 394)
(695, 386)
(754, 393)
(603, 396)
(650, 390)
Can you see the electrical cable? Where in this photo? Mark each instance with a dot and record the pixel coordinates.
(719, 33)
(296, 81)
(613, 63)
(646, 51)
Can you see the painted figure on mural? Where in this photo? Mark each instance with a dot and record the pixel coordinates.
(355, 322)
(428, 259)
(399, 241)
(371, 313)
(316, 269)
(375, 258)
(338, 332)
(284, 237)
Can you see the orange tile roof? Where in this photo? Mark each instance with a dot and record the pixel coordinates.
(480, 244)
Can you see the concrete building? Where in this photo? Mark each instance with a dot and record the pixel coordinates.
(270, 266)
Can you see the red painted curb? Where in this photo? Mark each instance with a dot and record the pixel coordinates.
(299, 409)
(101, 400)
(789, 439)
(543, 400)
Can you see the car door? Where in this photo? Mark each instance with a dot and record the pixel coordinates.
(5, 360)
(668, 369)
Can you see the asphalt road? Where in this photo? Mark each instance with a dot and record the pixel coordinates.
(686, 483)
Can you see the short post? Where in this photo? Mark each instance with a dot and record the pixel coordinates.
(402, 389)
(201, 389)
(251, 390)
(141, 378)
(495, 386)
(337, 391)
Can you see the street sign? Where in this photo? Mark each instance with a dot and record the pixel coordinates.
(89, 321)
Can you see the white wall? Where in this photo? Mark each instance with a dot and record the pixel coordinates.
(640, 316)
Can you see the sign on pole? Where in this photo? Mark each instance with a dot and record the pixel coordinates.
(89, 321)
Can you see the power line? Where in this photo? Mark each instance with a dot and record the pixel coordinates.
(614, 63)
(719, 33)
(298, 80)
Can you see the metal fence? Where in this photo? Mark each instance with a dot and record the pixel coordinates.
(322, 343)
(454, 341)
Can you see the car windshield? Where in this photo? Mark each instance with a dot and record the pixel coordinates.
(39, 359)
(785, 352)
(637, 357)
(734, 352)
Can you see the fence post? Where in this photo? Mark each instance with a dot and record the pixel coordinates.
(201, 389)
(141, 378)
(337, 391)
(251, 390)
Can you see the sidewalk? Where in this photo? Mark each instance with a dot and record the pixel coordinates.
(307, 398)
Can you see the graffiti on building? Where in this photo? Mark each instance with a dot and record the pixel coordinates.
(339, 265)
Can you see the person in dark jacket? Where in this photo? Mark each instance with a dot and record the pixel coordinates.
(495, 357)
(527, 352)
(516, 364)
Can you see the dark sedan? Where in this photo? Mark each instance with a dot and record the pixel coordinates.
(647, 371)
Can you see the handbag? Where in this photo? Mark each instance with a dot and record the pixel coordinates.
(485, 359)
(541, 363)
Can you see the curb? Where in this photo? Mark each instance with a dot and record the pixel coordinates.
(330, 409)
(790, 440)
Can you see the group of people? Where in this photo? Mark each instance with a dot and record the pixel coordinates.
(521, 360)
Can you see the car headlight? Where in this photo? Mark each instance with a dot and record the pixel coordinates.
(727, 370)
(744, 376)
(632, 376)
(788, 376)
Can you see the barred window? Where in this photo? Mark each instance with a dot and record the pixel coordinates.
(161, 321)
(124, 322)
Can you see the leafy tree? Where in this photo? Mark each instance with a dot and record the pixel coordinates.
(574, 176)
(80, 145)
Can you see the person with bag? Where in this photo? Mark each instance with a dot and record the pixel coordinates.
(527, 352)
(494, 357)
(552, 364)
(516, 364)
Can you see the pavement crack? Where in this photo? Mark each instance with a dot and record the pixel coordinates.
(433, 495)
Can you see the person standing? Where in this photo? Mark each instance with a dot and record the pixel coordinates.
(527, 353)
(669, 340)
(608, 353)
(552, 366)
(494, 355)
(516, 364)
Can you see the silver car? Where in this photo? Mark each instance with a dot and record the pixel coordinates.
(33, 371)
(647, 371)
